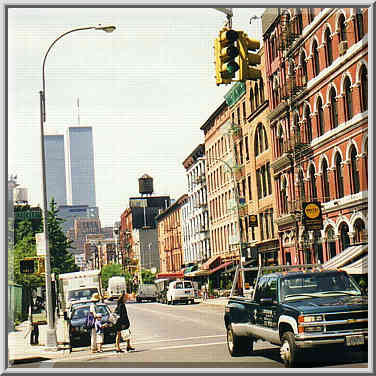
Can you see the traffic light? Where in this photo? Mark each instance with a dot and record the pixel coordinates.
(225, 53)
(247, 59)
(27, 266)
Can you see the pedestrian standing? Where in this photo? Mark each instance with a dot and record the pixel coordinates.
(99, 331)
(93, 334)
(122, 323)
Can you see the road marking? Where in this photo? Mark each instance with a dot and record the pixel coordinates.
(180, 339)
(183, 346)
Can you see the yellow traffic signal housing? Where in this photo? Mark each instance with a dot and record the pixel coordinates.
(225, 54)
(247, 59)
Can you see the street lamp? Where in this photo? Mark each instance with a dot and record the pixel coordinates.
(51, 340)
(237, 207)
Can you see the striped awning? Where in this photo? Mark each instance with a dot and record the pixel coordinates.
(358, 267)
(346, 256)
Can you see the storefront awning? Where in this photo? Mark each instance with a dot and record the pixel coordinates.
(171, 275)
(208, 263)
(346, 256)
(358, 267)
(222, 266)
(190, 269)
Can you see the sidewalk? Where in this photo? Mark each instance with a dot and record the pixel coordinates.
(216, 301)
(20, 350)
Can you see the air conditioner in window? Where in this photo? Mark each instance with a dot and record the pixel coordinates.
(343, 46)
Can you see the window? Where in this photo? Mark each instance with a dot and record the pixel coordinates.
(258, 181)
(269, 178)
(359, 231)
(364, 88)
(299, 21)
(249, 187)
(359, 23)
(251, 100)
(304, 68)
(284, 197)
(325, 181)
(348, 99)
(344, 236)
(263, 176)
(313, 183)
(308, 125)
(316, 59)
(280, 141)
(244, 112)
(301, 186)
(261, 141)
(257, 95)
(320, 117)
(339, 176)
(331, 243)
(342, 28)
(262, 94)
(354, 171)
(328, 48)
(333, 108)
(238, 115)
(246, 148)
(241, 151)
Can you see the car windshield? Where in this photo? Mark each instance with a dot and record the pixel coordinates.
(82, 312)
(81, 294)
(317, 285)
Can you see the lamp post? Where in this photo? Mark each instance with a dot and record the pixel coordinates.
(237, 209)
(51, 341)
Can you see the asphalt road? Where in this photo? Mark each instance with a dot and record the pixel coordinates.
(188, 336)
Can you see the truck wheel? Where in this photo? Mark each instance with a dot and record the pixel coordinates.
(238, 345)
(289, 351)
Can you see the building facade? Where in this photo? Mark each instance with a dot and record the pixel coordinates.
(170, 244)
(317, 79)
(80, 172)
(195, 215)
(55, 168)
(146, 248)
(70, 212)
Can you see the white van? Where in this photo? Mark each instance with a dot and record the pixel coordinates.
(180, 291)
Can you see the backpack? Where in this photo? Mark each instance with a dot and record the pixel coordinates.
(90, 321)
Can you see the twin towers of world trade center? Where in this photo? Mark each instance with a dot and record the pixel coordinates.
(70, 167)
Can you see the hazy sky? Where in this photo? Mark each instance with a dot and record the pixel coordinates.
(146, 89)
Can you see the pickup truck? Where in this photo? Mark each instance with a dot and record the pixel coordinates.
(297, 310)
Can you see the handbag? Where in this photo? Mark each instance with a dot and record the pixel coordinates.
(126, 334)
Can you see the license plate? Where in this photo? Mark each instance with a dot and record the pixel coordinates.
(355, 340)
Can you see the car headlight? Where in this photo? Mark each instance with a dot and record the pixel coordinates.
(314, 318)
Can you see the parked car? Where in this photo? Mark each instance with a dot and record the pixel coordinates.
(77, 329)
(180, 291)
(146, 292)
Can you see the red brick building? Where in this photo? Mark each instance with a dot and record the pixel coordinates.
(317, 79)
(170, 241)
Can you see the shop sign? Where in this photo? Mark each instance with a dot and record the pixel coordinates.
(252, 221)
(312, 216)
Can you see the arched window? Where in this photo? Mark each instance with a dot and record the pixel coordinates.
(262, 94)
(328, 48)
(354, 171)
(325, 181)
(256, 95)
(359, 228)
(316, 59)
(304, 68)
(348, 99)
(313, 189)
(366, 157)
(296, 129)
(364, 88)
(308, 125)
(320, 117)
(359, 23)
(331, 242)
(299, 21)
(252, 100)
(284, 197)
(261, 140)
(333, 108)
(339, 176)
(301, 186)
(342, 28)
(344, 236)
(280, 141)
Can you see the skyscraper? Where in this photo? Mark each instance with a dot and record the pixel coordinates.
(80, 166)
(55, 168)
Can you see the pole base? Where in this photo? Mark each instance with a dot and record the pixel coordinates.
(51, 340)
